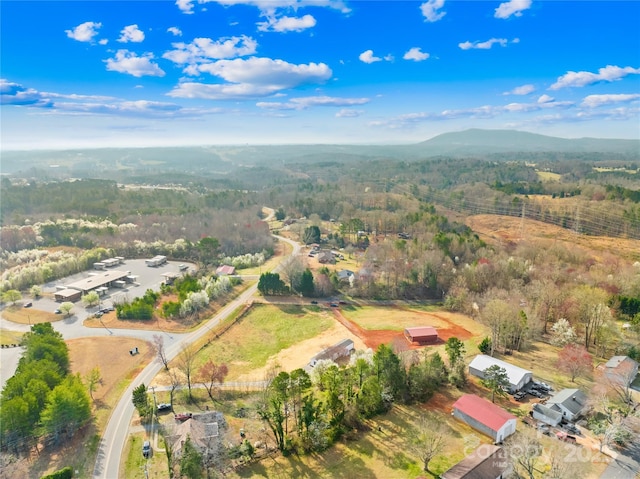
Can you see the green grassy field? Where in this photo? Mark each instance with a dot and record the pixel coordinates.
(264, 331)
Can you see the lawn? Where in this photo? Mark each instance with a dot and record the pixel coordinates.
(542, 359)
(10, 337)
(381, 452)
(261, 333)
(18, 314)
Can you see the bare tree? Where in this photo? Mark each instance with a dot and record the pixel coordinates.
(175, 384)
(524, 451)
(161, 354)
(186, 364)
(429, 441)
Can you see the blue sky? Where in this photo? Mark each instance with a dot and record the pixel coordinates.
(199, 72)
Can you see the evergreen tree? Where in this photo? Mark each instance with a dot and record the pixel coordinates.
(307, 287)
(191, 461)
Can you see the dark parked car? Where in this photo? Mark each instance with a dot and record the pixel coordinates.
(163, 406)
(57, 311)
(146, 449)
(28, 304)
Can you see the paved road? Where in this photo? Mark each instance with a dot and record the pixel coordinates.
(115, 436)
(626, 465)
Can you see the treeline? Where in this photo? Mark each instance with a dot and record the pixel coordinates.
(619, 193)
(42, 398)
(309, 412)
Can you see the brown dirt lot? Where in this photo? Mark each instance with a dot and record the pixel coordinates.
(111, 355)
(508, 229)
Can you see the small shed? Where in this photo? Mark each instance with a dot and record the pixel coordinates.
(421, 334)
(484, 416)
(225, 270)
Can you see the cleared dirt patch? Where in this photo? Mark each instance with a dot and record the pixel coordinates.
(508, 229)
(21, 315)
(397, 319)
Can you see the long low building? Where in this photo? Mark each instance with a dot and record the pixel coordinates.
(75, 290)
(518, 377)
(485, 417)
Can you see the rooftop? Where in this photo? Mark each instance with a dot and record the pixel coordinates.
(483, 411)
(572, 399)
(486, 462)
(515, 373)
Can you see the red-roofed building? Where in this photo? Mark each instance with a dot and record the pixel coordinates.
(421, 334)
(225, 270)
(485, 417)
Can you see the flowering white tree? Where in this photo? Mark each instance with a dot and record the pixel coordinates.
(562, 333)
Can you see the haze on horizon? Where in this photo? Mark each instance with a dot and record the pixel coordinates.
(86, 74)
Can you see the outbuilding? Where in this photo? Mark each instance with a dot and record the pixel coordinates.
(421, 334)
(484, 416)
(518, 377)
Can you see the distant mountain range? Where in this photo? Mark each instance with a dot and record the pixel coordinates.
(477, 142)
(222, 159)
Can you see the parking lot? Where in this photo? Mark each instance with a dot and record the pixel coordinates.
(147, 277)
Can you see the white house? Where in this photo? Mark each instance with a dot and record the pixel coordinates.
(518, 377)
(569, 402)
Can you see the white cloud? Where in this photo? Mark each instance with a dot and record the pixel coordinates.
(84, 32)
(269, 6)
(349, 113)
(416, 55)
(593, 101)
(138, 66)
(202, 50)
(521, 90)
(185, 6)
(287, 24)
(545, 99)
(103, 41)
(303, 103)
(512, 7)
(175, 31)
(483, 45)
(368, 57)
(481, 112)
(607, 74)
(251, 78)
(16, 94)
(131, 33)
(430, 10)
(77, 104)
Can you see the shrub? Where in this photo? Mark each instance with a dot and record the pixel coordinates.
(64, 473)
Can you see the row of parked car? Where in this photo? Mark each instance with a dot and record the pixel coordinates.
(535, 389)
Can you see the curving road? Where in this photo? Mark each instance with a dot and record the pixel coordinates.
(115, 435)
